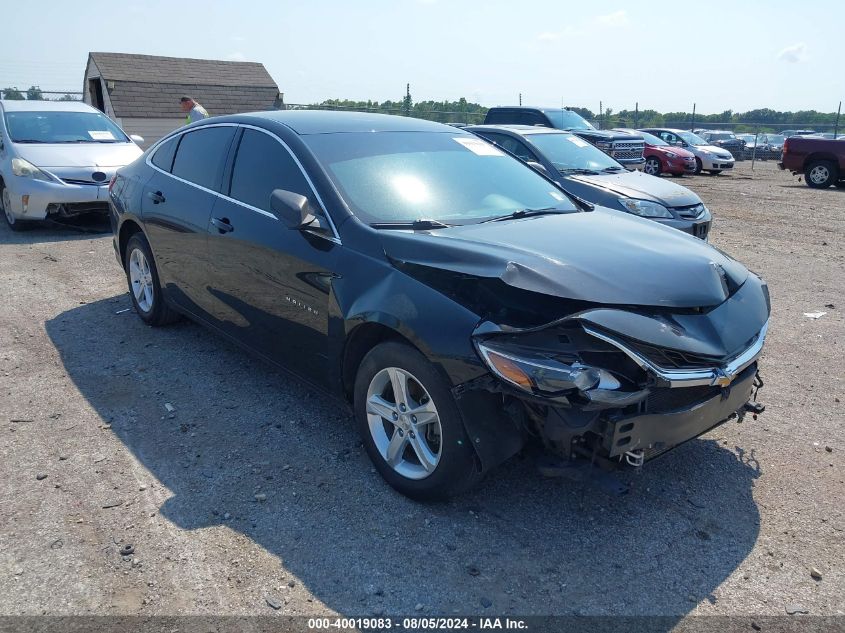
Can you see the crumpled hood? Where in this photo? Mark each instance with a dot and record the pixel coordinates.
(78, 154)
(636, 184)
(603, 256)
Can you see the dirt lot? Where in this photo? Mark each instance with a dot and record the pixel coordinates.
(91, 460)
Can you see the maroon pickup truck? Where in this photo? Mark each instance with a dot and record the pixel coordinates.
(822, 161)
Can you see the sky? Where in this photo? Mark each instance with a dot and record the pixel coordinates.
(735, 55)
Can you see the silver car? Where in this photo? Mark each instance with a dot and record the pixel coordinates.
(707, 157)
(57, 158)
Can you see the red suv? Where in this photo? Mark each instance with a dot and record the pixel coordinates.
(662, 157)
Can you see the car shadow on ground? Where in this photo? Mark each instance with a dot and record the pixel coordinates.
(519, 544)
(60, 230)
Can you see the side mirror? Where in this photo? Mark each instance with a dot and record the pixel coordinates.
(136, 138)
(295, 211)
(537, 167)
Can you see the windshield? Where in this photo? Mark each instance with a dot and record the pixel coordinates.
(721, 136)
(775, 138)
(692, 139)
(567, 151)
(748, 138)
(399, 177)
(62, 127)
(651, 139)
(567, 120)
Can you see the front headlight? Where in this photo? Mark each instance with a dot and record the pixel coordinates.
(25, 169)
(645, 208)
(604, 145)
(671, 155)
(534, 373)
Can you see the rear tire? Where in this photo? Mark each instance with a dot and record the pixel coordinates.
(12, 222)
(144, 286)
(652, 166)
(820, 174)
(416, 440)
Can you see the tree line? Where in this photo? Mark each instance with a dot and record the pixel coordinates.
(463, 111)
(33, 93)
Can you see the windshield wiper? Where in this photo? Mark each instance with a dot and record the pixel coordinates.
(88, 140)
(577, 171)
(26, 140)
(422, 224)
(524, 213)
(613, 168)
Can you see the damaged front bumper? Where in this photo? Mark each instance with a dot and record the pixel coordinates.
(615, 400)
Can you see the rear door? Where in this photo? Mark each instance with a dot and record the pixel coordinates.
(270, 284)
(176, 208)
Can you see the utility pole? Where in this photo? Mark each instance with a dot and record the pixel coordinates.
(637, 114)
(601, 116)
(692, 123)
(836, 125)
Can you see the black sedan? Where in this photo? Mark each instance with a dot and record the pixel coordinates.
(589, 173)
(460, 302)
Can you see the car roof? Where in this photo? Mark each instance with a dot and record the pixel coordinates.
(305, 122)
(15, 105)
(518, 129)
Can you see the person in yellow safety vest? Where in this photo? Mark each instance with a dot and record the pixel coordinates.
(193, 110)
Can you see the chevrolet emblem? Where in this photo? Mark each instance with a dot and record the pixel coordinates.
(722, 379)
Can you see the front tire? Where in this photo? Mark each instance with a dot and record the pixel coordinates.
(652, 166)
(144, 285)
(11, 221)
(698, 166)
(715, 172)
(820, 174)
(410, 425)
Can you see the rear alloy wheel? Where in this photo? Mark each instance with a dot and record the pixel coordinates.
(144, 287)
(652, 166)
(698, 166)
(6, 201)
(820, 174)
(410, 424)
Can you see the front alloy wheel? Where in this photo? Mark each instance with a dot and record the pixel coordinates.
(11, 220)
(410, 424)
(652, 166)
(404, 423)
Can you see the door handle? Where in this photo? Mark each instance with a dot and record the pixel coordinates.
(223, 225)
(156, 196)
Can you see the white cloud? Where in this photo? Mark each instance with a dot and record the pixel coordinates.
(548, 36)
(553, 36)
(237, 56)
(794, 54)
(617, 18)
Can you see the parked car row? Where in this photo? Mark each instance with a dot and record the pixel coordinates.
(461, 302)
(724, 139)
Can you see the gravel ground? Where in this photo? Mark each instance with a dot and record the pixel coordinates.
(92, 460)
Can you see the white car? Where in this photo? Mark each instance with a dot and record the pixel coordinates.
(57, 158)
(707, 157)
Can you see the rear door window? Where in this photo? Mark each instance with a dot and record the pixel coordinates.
(201, 154)
(262, 164)
(163, 156)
